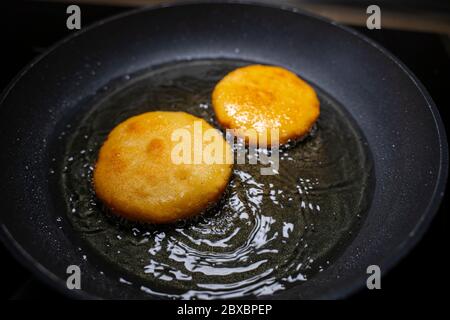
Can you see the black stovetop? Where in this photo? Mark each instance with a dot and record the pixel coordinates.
(29, 28)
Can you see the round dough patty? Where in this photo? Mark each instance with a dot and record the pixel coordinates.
(136, 178)
(262, 97)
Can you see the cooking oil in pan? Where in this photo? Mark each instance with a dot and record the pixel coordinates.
(268, 233)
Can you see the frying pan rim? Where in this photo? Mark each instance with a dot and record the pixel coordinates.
(386, 265)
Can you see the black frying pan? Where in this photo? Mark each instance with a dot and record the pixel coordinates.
(388, 103)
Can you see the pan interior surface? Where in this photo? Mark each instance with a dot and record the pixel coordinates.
(268, 233)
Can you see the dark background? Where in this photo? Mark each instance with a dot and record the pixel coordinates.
(27, 29)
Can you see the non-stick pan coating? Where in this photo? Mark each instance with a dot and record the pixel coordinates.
(396, 115)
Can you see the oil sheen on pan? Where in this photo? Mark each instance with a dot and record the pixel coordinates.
(268, 233)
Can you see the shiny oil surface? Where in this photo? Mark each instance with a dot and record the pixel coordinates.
(268, 233)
